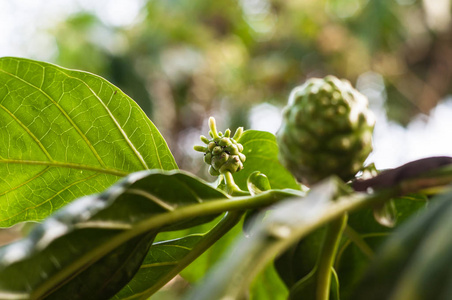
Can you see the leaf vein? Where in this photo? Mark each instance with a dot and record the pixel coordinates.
(108, 171)
(49, 199)
(83, 136)
(121, 130)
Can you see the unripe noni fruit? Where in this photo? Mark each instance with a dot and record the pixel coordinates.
(326, 129)
(223, 152)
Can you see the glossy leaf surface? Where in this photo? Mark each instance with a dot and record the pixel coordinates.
(65, 134)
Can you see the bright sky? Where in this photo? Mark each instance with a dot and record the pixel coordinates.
(24, 23)
(23, 32)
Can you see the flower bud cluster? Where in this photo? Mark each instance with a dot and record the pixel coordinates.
(223, 153)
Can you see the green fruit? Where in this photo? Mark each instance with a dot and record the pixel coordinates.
(326, 129)
(223, 152)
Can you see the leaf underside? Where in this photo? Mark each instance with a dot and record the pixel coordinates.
(71, 252)
(65, 134)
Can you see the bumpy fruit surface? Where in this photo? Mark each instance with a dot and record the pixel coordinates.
(223, 152)
(326, 129)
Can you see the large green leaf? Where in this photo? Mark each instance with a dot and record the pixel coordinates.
(93, 246)
(66, 134)
(261, 151)
(73, 254)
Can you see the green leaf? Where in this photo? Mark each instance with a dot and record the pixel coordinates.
(365, 235)
(261, 151)
(300, 259)
(93, 246)
(65, 134)
(268, 286)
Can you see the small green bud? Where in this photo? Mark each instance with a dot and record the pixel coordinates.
(225, 142)
(223, 153)
(213, 172)
(208, 158)
(200, 148)
(211, 145)
(238, 133)
(205, 140)
(217, 150)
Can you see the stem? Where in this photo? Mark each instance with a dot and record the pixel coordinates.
(232, 188)
(250, 256)
(157, 221)
(326, 259)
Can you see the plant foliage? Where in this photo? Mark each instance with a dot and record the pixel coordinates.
(119, 220)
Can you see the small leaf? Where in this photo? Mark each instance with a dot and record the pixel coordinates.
(65, 134)
(261, 151)
(257, 183)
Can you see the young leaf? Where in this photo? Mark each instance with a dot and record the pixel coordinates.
(65, 134)
(76, 252)
(261, 151)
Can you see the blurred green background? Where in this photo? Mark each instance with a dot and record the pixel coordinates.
(184, 60)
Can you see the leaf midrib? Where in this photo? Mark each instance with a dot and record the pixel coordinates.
(109, 171)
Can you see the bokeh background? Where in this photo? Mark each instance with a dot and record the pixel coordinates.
(185, 60)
